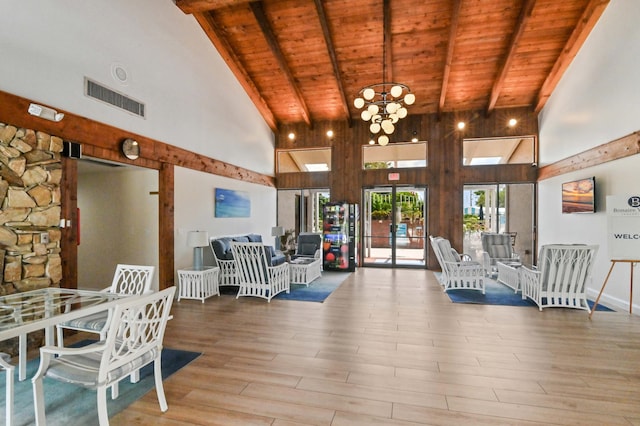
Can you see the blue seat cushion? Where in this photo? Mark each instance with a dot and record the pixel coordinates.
(254, 238)
(222, 248)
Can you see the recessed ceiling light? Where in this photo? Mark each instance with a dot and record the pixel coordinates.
(292, 136)
(330, 133)
(461, 125)
(513, 122)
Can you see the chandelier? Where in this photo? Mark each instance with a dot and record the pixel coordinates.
(383, 104)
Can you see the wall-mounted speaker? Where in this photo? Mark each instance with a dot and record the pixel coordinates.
(71, 149)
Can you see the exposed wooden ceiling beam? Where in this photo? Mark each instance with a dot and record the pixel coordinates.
(455, 20)
(214, 33)
(587, 21)
(525, 14)
(196, 6)
(261, 17)
(334, 59)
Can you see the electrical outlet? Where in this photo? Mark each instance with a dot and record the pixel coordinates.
(44, 238)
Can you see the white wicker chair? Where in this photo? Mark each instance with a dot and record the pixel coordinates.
(134, 339)
(127, 279)
(561, 276)
(497, 248)
(256, 277)
(458, 272)
(227, 274)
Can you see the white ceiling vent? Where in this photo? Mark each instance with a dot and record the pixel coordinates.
(102, 93)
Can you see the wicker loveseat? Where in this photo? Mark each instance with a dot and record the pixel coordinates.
(221, 248)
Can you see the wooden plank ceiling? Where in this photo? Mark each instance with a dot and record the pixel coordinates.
(303, 61)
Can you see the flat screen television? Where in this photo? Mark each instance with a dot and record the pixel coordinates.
(579, 196)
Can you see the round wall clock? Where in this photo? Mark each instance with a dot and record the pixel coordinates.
(130, 149)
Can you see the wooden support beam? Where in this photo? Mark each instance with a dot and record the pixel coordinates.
(525, 14)
(166, 196)
(587, 21)
(334, 58)
(451, 44)
(265, 26)
(620, 148)
(214, 33)
(199, 6)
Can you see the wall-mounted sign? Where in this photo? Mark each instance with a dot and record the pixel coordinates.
(623, 226)
(394, 176)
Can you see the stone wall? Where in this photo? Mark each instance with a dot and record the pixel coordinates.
(30, 210)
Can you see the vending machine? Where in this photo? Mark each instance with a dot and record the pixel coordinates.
(340, 236)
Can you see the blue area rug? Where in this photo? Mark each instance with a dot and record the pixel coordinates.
(71, 405)
(318, 290)
(498, 294)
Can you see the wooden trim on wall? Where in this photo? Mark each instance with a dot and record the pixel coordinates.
(103, 141)
(626, 146)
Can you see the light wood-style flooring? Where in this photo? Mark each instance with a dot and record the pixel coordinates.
(389, 348)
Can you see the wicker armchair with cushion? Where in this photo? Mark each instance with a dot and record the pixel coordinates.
(497, 248)
(223, 255)
(309, 245)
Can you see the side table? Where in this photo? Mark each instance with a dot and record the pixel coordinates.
(509, 274)
(198, 283)
(304, 270)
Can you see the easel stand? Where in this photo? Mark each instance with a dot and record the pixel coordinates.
(613, 263)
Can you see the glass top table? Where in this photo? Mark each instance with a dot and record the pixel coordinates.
(22, 313)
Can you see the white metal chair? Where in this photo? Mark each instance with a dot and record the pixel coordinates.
(127, 279)
(561, 277)
(458, 272)
(134, 339)
(9, 371)
(255, 275)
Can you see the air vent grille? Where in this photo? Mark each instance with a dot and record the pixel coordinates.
(104, 94)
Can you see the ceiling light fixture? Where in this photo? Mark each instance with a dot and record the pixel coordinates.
(513, 122)
(461, 125)
(292, 136)
(330, 133)
(383, 104)
(45, 112)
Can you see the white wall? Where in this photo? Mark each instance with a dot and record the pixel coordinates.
(194, 211)
(596, 102)
(192, 99)
(118, 223)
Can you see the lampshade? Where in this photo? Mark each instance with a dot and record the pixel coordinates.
(277, 231)
(198, 239)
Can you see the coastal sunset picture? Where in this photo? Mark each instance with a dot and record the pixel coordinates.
(578, 196)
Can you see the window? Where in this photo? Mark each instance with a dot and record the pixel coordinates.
(510, 150)
(395, 156)
(304, 160)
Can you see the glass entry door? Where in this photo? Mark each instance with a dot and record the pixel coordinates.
(394, 233)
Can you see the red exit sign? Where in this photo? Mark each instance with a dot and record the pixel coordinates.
(394, 176)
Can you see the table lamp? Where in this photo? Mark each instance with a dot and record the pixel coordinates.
(197, 240)
(277, 231)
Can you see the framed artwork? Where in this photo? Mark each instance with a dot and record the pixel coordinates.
(578, 196)
(230, 203)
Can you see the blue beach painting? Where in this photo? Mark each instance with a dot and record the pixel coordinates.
(229, 203)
